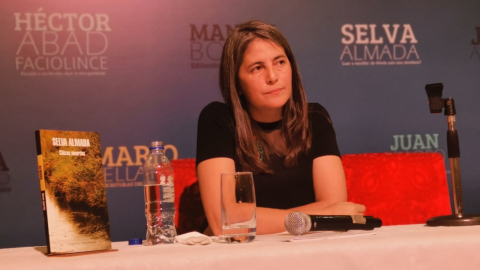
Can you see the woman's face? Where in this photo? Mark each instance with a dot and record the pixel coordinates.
(266, 79)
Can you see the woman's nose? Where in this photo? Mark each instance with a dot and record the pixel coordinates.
(272, 76)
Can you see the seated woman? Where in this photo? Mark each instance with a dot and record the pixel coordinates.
(267, 127)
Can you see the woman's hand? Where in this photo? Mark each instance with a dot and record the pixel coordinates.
(343, 208)
(339, 208)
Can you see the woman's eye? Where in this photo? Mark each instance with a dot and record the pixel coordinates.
(256, 68)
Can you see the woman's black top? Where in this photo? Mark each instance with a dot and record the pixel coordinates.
(286, 187)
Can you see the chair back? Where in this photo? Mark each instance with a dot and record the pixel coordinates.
(189, 214)
(399, 188)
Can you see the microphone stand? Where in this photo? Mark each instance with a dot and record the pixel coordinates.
(434, 92)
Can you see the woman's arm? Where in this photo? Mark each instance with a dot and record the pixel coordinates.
(329, 180)
(208, 172)
(330, 195)
(272, 220)
(330, 189)
(328, 175)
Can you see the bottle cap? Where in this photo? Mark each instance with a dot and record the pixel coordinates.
(156, 145)
(135, 241)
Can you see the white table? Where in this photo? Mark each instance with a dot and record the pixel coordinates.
(391, 247)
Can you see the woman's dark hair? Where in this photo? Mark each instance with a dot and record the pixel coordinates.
(295, 129)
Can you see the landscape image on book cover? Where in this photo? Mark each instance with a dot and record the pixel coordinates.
(73, 191)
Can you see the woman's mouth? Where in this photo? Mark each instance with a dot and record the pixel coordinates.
(274, 91)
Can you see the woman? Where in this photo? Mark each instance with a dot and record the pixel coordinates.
(267, 127)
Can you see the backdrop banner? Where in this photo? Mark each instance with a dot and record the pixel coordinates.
(138, 71)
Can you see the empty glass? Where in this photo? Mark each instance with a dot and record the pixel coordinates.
(237, 200)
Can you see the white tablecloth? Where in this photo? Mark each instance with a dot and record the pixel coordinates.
(391, 247)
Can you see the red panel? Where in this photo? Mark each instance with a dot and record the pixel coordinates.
(401, 188)
(189, 215)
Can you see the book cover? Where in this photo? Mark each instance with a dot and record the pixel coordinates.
(73, 191)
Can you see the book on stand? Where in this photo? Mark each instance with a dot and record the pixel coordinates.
(73, 192)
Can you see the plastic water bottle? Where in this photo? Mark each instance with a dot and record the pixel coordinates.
(159, 196)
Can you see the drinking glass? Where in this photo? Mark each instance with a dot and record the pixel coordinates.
(238, 207)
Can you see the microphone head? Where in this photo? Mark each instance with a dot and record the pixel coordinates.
(298, 223)
(434, 93)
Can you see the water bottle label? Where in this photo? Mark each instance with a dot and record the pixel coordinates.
(166, 180)
(168, 193)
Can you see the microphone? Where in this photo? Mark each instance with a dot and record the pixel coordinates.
(298, 223)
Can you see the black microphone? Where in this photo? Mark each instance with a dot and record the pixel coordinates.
(298, 223)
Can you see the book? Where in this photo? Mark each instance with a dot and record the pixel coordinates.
(73, 191)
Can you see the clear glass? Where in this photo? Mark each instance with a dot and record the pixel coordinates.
(238, 207)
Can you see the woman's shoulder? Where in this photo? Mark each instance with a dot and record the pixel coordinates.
(317, 110)
(216, 111)
(215, 137)
(215, 107)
